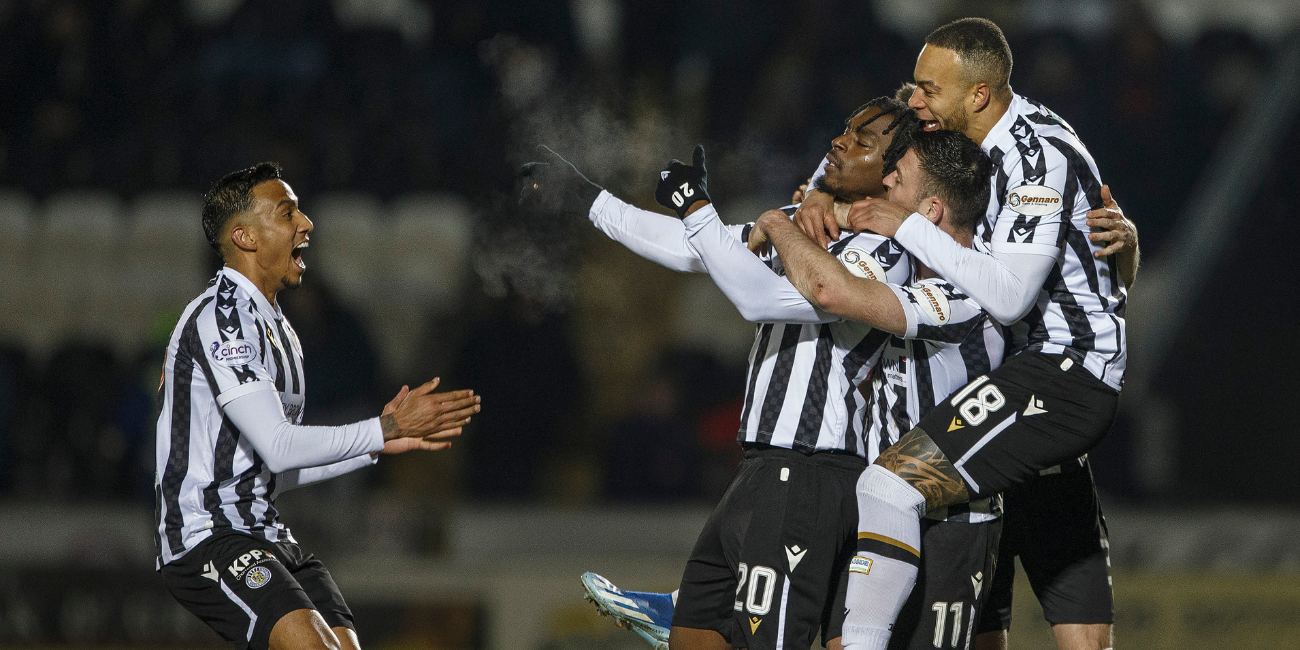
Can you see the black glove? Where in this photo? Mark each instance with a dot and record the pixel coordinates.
(681, 185)
(554, 184)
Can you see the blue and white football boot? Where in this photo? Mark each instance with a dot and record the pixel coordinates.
(648, 614)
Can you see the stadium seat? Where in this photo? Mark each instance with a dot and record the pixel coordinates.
(166, 260)
(423, 252)
(343, 248)
(430, 242)
(79, 265)
(16, 227)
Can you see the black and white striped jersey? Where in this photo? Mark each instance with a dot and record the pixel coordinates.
(229, 342)
(801, 390)
(949, 341)
(1044, 184)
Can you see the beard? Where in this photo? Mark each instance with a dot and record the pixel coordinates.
(959, 121)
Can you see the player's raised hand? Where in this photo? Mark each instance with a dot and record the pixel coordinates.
(422, 413)
(553, 184)
(684, 188)
(816, 217)
(1113, 225)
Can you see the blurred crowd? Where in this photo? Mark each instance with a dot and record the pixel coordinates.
(589, 391)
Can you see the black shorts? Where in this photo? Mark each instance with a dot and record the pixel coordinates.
(1055, 525)
(1033, 412)
(957, 566)
(769, 557)
(241, 586)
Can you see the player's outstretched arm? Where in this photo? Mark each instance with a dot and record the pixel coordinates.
(259, 416)
(297, 478)
(656, 237)
(758, 293)
(825, 282)
(1005, 282)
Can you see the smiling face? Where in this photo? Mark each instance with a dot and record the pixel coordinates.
(279, 231)
(941, 95)
(855, 163)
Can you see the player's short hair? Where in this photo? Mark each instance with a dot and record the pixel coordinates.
(233, 195)
(984, 52)
(904, 92)
(955, 170)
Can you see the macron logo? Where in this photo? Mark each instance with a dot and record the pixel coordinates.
(794, 555)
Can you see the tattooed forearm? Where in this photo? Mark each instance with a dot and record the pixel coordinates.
(918, 460)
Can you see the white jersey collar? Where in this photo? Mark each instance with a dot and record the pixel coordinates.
(1003, 127)
(247, 285)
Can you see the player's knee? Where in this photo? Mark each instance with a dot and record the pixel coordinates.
(878, 484)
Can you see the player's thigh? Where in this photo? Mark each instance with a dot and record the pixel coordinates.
(237, 586)
(302, 629)
(1067, 560)
(707, 596)
(318, 584)
(795, 548)
(957, 567)
(1033, 412)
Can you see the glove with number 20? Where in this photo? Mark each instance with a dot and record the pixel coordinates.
(681, 185)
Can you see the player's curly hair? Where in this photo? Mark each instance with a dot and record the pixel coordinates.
(904, 121)
(232, 195)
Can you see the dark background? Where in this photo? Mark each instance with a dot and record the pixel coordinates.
(135, 96)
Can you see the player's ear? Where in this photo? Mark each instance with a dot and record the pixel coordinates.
(932, 209)
(243, 237)
(980, 96)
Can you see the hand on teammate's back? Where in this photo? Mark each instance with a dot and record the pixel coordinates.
(553, 184)
(683, 188)
(1114, 226)
(816, 217)
(422, 419)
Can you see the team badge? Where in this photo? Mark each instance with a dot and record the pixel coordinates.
(257, 577)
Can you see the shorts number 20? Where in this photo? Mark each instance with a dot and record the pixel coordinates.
(758, 600)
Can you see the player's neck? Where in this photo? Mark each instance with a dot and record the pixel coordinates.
(248, 268)
(982, 122)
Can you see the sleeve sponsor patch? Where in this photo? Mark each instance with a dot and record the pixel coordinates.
(932, 302)
(862, 264)
(860, 564)
(235, 352)
(1034, 200)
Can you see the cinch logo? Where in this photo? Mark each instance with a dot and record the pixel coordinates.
(233, 353)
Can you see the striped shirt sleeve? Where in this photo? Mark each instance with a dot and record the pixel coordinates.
(937, 311)
(231, 353)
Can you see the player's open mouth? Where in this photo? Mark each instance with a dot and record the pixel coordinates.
(297, 255)
(930, 125)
